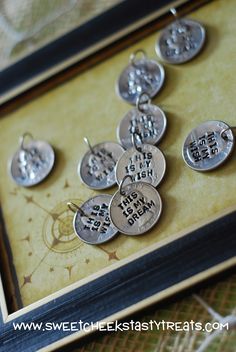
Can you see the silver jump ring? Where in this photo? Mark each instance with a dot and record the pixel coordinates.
(89, 145)
(22, 139)
(223, 135)
(133, 139)
(122, 192)
(133, 56)
(173, 11)
(140, 101)
(75, 208)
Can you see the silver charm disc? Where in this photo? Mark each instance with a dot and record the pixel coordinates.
(208, 145)
(147, 165)
(150, 124)
(137, 210)
(97, 168)
(93, 224)
(142, 75)
(181, 41)
(31, 164)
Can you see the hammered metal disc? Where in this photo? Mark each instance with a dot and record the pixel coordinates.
(149, 165)
(150, 124)
(95, 227)
(181, 41)
(205, 149)
(97, 168)
(143, 76)
(138, 210)
(31, 165)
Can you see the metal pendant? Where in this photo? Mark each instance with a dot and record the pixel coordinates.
(146, 163)
(148, 120)
(181, 41)
(32, 162)
(92, 221)
(97, 168)
(135, 208)
(141, 75)
(208, 145)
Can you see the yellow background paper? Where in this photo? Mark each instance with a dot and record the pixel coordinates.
(203, 89)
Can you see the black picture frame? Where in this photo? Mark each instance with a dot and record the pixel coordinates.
(142, 279)
(80, 43)
(148, 276)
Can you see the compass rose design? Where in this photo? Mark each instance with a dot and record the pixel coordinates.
(58, 232)
(56, 245)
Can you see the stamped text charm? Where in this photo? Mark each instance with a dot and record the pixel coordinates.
(135, 208)
(97, 168)
(141, 75)
(181, 41)
(92, 221)
(145, 163)
(208, 145)
(32, 162)
(148, 120)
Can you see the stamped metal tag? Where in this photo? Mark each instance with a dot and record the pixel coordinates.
(150, 123)
(208, 145)
(181, 41)
(135, 208)
(97, 168)
(146, 164)
(32, 162)
(92, 220)
(141, 75)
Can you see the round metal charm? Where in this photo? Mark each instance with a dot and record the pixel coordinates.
(97, 168)
(135, 208)
(147, 165)
(147, 120)
(32, 162)
(141, 75)
(181, 41)
(92, 221)
(208, 145)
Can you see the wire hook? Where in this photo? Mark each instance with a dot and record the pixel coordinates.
(22, 140)
(133, 56)
(75, 208)
(134, 142)
(143, 98)
(223, 132)
(122, 192)
(89, 145)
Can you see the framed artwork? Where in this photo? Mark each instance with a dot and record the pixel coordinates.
(48, 275)
(47, 47)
